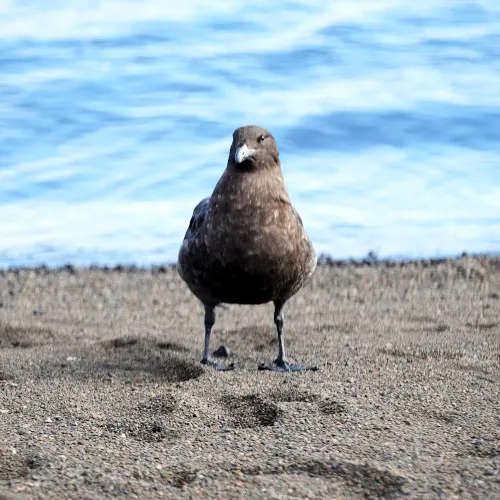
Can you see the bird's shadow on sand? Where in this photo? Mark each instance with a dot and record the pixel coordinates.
(126, 356)
(129, 357)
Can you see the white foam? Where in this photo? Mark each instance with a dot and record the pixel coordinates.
(84, 19)
(393, 214)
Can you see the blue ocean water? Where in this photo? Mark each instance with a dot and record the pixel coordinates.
(116, 119)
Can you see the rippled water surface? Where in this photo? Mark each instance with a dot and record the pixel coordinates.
(116, 119)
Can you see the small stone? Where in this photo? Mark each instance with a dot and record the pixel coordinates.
(48, 420)
(222, 351)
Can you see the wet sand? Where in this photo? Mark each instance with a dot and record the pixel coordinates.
(102, 394)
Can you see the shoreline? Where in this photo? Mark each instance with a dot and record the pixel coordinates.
(323, 260)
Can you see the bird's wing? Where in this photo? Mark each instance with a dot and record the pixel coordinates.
(199, 215)
(313, 260)
(299, 218)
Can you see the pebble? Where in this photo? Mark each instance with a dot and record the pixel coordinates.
(222, 351)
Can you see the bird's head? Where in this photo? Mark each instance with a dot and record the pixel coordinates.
(253, 148)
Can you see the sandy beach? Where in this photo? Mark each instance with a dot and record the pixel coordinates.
(102, 394)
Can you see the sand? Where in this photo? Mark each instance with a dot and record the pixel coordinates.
(102, 394)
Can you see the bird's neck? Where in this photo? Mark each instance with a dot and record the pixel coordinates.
(251, 189)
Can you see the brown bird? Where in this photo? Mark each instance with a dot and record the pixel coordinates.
(246, 243)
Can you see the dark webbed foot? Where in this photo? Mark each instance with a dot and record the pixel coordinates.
(283, 366)
(219, 368)
(279, 364)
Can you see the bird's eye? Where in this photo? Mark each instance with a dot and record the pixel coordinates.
(261, 137)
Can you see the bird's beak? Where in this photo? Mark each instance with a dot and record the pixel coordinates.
(242, 153)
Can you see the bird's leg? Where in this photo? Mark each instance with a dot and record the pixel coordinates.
(280, 364)
(209, 323)
(278, 321)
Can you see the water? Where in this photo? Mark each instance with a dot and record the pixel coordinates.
(116, 119)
